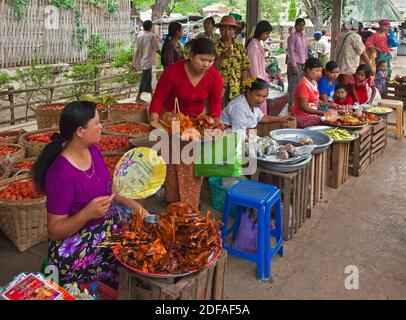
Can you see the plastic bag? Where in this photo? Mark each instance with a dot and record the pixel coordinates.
(246, 237)
(219, 158)
(393, 42)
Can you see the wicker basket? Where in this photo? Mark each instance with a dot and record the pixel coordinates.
(103, 113)
(15, 156)
(15, 135)
(47, 118)
(14, 170)
(116, 115)
(24, 222)
(4, 172)
(33, 149)
(141, 135)
(118, 152)
(112, 154)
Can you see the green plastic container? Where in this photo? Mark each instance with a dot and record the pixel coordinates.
(218, 194)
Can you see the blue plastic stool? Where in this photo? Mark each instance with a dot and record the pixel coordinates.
(262, 197)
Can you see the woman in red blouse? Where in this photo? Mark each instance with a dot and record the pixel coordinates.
(193, 82)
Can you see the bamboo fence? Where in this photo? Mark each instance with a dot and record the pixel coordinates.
(22, 40)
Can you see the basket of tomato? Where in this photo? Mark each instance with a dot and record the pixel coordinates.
(11, 136)
(35, 141)
(128, 112)
(22, 165)
(4, 172)
(48, 115)
(12, 152)
(111, 159)
(113, 143)
(23, 215)
(129, 129)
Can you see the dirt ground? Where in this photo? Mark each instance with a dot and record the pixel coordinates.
(361, 224)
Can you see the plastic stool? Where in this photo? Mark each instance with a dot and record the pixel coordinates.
(262, 197)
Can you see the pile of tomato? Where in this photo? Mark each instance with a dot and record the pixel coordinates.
(99, 106)
(129, 107)
(129, 128)
(111, 163)
(26, 164)
(40, 137)
(5, 150)
(110, 143)
(9, 136)
(54, 107)
(20, 190)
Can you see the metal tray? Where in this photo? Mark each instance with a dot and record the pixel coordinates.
(324, 128)
(379, 113)
(323, 119)
(320, 140)
(212, 258)
(284, 168)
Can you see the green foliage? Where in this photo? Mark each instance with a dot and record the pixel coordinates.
(19, 8)
(327, 10)
(97, 50)
(85, 72)
(271, 10)
(36, 76)
(122, 59)
(5, 80)
(292, 11)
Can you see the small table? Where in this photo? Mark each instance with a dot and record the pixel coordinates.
(276, 101)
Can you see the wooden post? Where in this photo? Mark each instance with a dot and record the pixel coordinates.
(335, 26)
(252, 15)
(11, 100)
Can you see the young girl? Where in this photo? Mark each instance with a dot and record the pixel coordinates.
(358, 84)
(327, 83)
(381, 76)
(342, 98)
(307, 95)
(244, 111)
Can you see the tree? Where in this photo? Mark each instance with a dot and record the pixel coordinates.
(292, 11)
(314, 10)
(271, 9)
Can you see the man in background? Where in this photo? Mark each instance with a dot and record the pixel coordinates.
(146, 48)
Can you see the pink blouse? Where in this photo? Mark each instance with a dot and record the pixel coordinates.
(256, 56)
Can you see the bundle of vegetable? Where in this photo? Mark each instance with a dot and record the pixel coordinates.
(339, 134)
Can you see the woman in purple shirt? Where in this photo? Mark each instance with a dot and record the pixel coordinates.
(72, 173)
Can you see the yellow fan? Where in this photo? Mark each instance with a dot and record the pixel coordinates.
(139, 174)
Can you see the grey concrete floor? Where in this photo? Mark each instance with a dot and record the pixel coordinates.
(362, 224)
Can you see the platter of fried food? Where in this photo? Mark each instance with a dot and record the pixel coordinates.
(180, 242)
(347, 121)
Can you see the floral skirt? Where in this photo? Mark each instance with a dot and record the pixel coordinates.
(79, 259)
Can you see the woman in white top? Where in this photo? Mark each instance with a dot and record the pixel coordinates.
(243, 112)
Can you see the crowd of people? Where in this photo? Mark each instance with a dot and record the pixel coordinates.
(316, 83)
